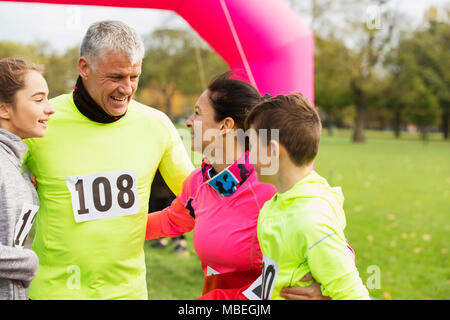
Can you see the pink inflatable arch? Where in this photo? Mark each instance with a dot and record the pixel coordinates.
(265, 38)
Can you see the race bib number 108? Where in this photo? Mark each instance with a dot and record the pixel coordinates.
(103, 195)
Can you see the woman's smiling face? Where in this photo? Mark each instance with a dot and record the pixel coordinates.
(31, 109)
(202, 122)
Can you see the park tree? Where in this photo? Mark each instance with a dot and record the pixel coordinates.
(374, 36)
(394, 93)
(14, 49)
(176, 59)
(333, 64)
(435, 56)
(333, 60)
(60, 70)
(367, 28)
(418, 69)
(423, 108)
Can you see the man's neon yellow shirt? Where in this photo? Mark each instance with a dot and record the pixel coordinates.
(103, 258)
(302, 230)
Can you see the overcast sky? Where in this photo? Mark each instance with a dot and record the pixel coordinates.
(64, 26)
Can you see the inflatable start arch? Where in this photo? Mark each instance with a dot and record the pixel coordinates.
(266, 38)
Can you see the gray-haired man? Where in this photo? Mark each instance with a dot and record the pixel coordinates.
(94, 170)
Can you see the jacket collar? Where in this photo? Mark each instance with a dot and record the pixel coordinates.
(88, 107)
(229, 180)
(13, 146)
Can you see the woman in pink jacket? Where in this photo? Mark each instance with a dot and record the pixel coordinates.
(220, 200)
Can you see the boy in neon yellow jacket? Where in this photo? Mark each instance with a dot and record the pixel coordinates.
(301, 229)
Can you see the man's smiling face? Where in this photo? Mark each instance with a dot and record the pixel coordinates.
(111, 81)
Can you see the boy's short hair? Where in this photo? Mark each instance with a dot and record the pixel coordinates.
(298, 123)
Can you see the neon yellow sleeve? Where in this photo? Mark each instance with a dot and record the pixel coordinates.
(175, 165)
(330, 259)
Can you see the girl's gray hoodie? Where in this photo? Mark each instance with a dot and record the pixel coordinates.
(18, 266)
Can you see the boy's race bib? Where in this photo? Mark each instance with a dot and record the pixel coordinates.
(262, 288)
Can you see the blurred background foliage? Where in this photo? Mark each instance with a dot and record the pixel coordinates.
(371, 72)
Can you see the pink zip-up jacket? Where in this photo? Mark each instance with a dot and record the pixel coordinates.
(223, 210)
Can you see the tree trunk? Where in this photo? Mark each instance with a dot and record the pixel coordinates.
(397, 123)
(361, 106)
(169, 107)
(445, 123)
(424, 133)
(330, 130)
(168, 92)
(330, 124)
(360, 121)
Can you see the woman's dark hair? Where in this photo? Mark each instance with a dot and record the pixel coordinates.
(232, 98)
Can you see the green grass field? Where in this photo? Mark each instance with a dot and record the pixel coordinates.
(397, 205)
